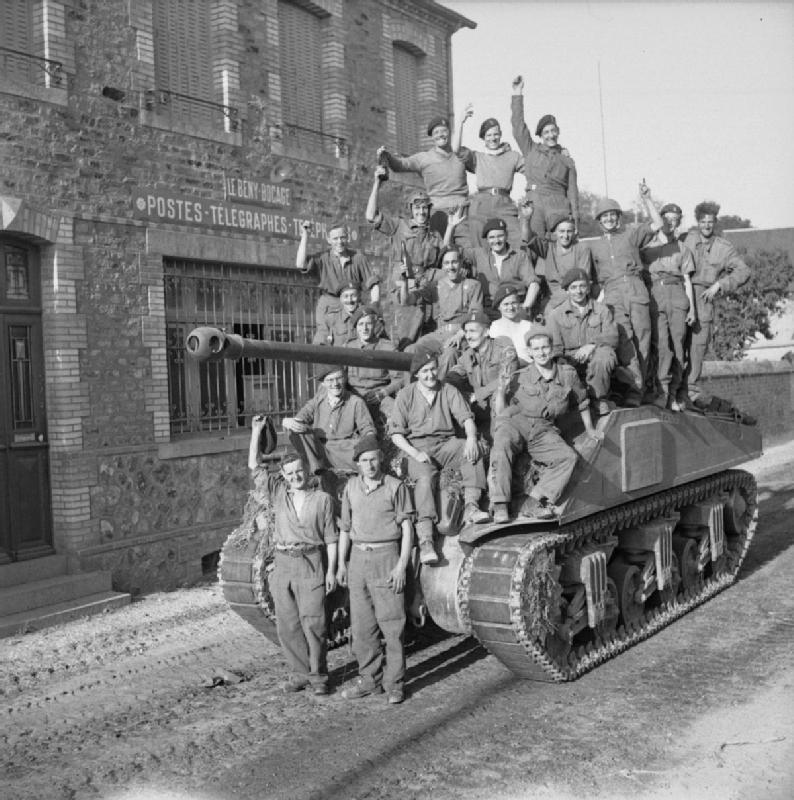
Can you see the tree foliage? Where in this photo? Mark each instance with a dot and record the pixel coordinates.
(741, 315)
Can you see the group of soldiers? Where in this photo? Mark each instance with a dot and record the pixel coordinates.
(511, 323)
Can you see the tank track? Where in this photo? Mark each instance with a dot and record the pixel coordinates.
(511, 619)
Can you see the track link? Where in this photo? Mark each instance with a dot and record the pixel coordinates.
(511, 597)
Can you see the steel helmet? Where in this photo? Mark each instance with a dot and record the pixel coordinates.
(605, 205)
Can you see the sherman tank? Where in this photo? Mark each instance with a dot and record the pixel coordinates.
(654, 522)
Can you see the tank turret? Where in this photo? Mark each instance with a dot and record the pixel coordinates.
(654, 522)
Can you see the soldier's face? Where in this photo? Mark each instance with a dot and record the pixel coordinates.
(420, 213)
(564, 233)
(451, 266)
(508, 308)
(440, 136)
(334, 383)
(349, 300)
(338, 239)
(540, 350)
(428, 375)
(706, 225)
(294, 474)
(369, 464)
(475, 333)
(493, 137)
(609, 221)
(549, 135)
(671, 221)
(578, 291)
(365, 328)
(497, 240)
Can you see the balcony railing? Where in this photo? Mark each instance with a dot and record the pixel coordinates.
(20, 64)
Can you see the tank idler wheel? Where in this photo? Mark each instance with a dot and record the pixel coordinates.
(628, 582)
(685, 550)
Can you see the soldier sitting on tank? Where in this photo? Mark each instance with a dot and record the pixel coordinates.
(377, 515)
(479, 367)
(375, 385)
(584, 333)
(422, 425)
(326, 429)
(336, 268)
(499, 262)
(619, 269)
(546, 390)
(305, 541)
(336, 326)
(511, 323)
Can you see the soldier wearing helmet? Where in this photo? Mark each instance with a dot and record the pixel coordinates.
(619, 269)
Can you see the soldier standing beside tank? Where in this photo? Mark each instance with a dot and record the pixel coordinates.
(443, 172)
(377, 518)
(336, 268)
(422, 425)
(550, 171)
(718, 270)
(494, 169)
(336, 326)
(617, 262)
(305, 540)
(670, 266)
(584, 333)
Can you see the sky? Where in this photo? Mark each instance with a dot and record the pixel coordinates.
(698, 97)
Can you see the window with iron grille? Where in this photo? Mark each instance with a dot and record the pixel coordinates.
(406, 102)
(254, 302)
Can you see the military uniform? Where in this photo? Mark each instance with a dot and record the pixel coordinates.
(335, 273)
(363, 380)
(716, 259)
(529, 422)
(297, 583)
(668, 261)
(335, 327)
(616, 258)
(571, 329)
(374, 517)
(490, 270)
(421, 244)
(553, 264)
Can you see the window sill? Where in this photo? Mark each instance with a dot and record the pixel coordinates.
(212, 445)
(58, 96)
(191, 128)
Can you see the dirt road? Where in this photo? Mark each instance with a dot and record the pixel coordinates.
(175, 697)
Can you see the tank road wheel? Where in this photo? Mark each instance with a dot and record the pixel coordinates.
(611, 610)
(736, 511)
(668, 595)
(628, 581)
(686, 551)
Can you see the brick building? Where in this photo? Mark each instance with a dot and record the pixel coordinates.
(156, 160)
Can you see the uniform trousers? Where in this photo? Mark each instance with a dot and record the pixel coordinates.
(298, 590)
(374, 604)
(443, 453)
(319, 454)
(462, 236)
(546, 203)
(669, 307)
(628, 299)
(698, 340)
(485, 206)
(597, 371)
(545, 446)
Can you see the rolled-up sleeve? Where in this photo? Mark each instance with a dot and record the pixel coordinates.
(330, 533)
(403, 505)
(398, 420)
(458, 406)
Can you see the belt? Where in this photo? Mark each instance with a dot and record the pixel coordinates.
(622, 278)
(297, 551)
(367, 546)
(493, 190)
(669, 281)
(546, 190)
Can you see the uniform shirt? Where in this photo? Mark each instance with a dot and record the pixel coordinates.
(413, 417)
(314, 525)
(335, 328)
(546, 168)
(362, 379)
(422, 245)
(336, 273)
(571, 330)
(342, 422)
(666, 256)
(616, 255)
(515, 330)
(452, 301)
(480, 369)
(494, 169)
(516, 267)
(444, 174)
(541, 398)
(716, 259)
(375, 515)
(554, 263)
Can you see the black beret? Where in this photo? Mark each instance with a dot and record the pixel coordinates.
(365, 444)
(505, 290)
(290, 456)
(477, 316)
(435, 122)
(574, 274)
(363, 311)
(556, 217)
(422, 356)
(487, 125)
(494, 224)
(322, 371)
(671, 208)
(546, 119)
(267, 437)
(537, 330)
(351, 285)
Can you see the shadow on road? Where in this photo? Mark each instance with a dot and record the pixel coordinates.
(774, 533)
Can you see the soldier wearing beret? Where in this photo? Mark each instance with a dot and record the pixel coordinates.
(480, 366)
(375, 385)
(305, 544)
(377, 516)
(718, 270)
(494, 169)
(670, 265)
(511, 324)
(550, 171)
(546, 390)
(584, 333)
(443, 172)
(336, 325)
(422, 425)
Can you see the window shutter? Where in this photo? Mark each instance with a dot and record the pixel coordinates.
(15, 34)
(300, 46)
(406, 80)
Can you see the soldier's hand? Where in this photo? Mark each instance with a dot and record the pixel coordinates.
(372, 396)
(597, 435)
(457, 216)
(294, 426)
(518, 84)
(258, 422)
(330, 582)
(645, 190)
(381, 172)
(468, 112)
(709, 294)
(397, 579)
(422, 457)
(471, 451)
(306, 226)
(341, 575)
(691, 317)
(526, 207)
(382, 153)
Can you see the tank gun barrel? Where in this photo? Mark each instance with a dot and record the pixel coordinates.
(214, 344)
